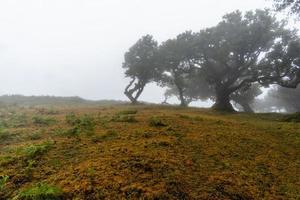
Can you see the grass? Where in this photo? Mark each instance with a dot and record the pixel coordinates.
(35, 150)
(4, 135)
(41, 191)
(124, 118)
(80, 124)
(157, 122)
(43, 121)
(148, 152)
(3, 181)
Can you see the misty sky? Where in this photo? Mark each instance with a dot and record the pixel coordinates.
(76, 47)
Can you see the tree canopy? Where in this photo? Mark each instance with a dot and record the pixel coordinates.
(176, 61)
(227, 62)
(246, 49)
(140, 67)
(292, 5)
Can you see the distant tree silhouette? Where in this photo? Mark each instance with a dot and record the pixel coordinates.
(140, 67)
(283, 99)
(196, 88)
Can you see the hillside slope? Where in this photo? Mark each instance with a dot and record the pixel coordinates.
(21, 100)
(147, 152)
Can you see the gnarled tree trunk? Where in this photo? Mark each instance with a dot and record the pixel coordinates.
(134, 93)
(223, 101)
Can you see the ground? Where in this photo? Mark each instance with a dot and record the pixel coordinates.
(147, 152)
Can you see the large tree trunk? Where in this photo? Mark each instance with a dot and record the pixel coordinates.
(179, 86)
(181, 97)
(130, 97)
(223, 101)
(134, 93)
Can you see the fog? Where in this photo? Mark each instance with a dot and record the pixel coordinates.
(76, 47)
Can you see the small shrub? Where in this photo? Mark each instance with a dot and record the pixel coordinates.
(47, 111)
(35, 135)
(58, 131)
(128, 112)
(292, 117)
(72, 119)
(156, 122)
(85, 124)
(30, 168)
(124, 118)
(176, 134)
(43, 121)
(160, 144)
(19, 120)
(41, 191)
(75, 131)
(3, 181)
(36, 150)
(185, 117)
(6, 160)
(4, 134)
(110, 135)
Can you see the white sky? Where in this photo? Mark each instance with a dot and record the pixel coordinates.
(76, 47)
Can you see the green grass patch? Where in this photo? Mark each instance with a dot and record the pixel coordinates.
(4, 135)
(110, 135)
(124, 118)
(43, 121)
(35, 150)
(84, 124)
(3, 181)
(157, 122)
(41, 191)
(128, 112)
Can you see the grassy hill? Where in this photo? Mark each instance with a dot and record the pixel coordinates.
(21, 100)
(147, 152)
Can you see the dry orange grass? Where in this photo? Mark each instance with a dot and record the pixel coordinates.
(149, 152)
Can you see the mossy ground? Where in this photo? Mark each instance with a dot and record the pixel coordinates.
(149, 152)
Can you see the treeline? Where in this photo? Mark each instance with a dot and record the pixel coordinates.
(229, 62)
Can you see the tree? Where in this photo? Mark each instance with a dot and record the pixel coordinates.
(292, 5)
(196, 88)
(140, 66)
(175, 59)
(243, 50)
(245, 97)
(284, 99)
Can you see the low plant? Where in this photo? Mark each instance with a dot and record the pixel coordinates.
(128, 112)
(41, 191)
(157, 122)
(35, 135)
(18, 120)
(30, 168)
(6, 160)
(87, 123)
(3, 181)
(110, 135)
(84, 124)
(4, 134)
(43, 121)
(124, 118)
(292, 117)
(35, 150)
(72, 119)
